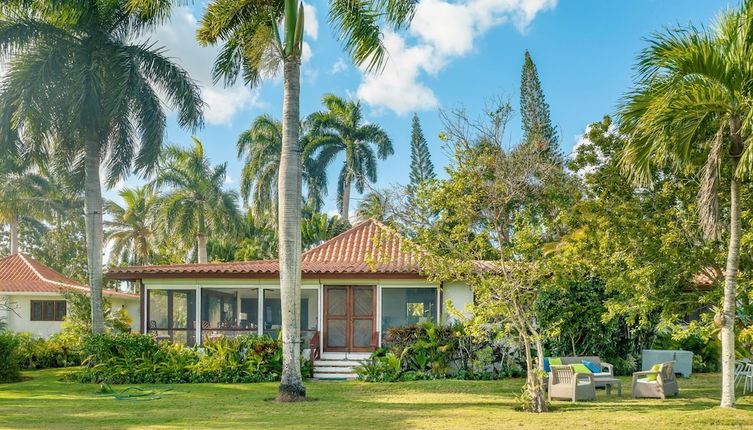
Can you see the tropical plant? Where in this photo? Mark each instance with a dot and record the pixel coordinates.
(80, 88)
(131, 228)
(318, 227)
(254, 47)
(23, 196)
(10, 371)
(376, 205)
(691, 109)
(261, 145)
(195, 205)
(341, 129)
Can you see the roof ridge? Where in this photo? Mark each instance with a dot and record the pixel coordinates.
(26, 259)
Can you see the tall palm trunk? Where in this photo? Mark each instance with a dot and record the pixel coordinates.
(346, 199)
(14, 234)
(289, 214)
(201, 240)
(730, 279)
(93, 209)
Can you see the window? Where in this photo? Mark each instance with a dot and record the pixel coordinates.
(172, 314)
(47, 310)
(407, 306)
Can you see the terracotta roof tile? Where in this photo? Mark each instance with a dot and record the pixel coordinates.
(368, 248)
(20, 273)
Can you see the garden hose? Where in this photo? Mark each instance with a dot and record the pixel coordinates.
(135, 393)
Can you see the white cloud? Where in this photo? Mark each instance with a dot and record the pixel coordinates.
(228, 179)
(340, 66)
(179, 39)
(441, 31)
(310, 22)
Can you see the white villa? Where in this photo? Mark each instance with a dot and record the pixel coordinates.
(35, 293)
(354, 287)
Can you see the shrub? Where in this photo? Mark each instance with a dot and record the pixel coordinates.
(10, 371)
(60, 350)
(137, 358)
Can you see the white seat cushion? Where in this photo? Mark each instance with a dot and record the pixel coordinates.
(596, 375)
(645, 381)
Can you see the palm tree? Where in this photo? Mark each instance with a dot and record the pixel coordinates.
(340, 129)
(23, 196)
(254, 47)
(693, 101)
(196, 205)
(319, 227)
(131, 230)
(375, 205)
(80, 89)
(261, 145)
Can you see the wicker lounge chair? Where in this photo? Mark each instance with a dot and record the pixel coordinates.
(565, 383)
(664, 385)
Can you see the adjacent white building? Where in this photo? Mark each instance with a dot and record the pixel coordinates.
(35, 293)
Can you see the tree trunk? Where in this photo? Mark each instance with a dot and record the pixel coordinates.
(14, 235)
(93, 209)
(730, 280)
(344, 213)
(289, 222)
(201, 247)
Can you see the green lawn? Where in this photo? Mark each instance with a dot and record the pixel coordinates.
(44, 401)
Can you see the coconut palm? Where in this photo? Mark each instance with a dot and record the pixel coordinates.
(23, 196)
(261, 146)
(131, 229)
(81, 90)
(253, 47)
(318, 227)
(195, 205)
(693, 101)
(340, 129)
(376, 205)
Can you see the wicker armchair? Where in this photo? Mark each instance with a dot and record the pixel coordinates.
(565, 383)
(664, 385)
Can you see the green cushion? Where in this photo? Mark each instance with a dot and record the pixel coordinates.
(580, 368)
(555, 362)
(654, 368)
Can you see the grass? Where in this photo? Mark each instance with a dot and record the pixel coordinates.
(44, 400)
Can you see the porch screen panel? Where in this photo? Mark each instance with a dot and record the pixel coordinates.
(408, 306)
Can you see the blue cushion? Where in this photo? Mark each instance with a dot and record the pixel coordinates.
(591, 366)
(547, 369)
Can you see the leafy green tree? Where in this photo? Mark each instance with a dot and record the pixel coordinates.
(132, 229)
(261, 145)
(81, 90)
(340, 130)
(195, 205)
(376, 205)
(421, 167)
(534, 110)
(495, 212)
(690, 108)
(253, 47)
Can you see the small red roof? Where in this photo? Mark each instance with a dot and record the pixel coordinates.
(20, 273)
(370, 248)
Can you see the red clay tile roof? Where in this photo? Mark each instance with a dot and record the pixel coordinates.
(20, 273)
(369, 248)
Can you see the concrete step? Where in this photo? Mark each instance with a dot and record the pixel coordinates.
(335, 376)
(339, 363)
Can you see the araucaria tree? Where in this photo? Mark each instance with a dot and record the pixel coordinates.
(421, 167)
(691, 109)
(254, 47)
(534, 110)
(340, 129)
(196, 205)
(81, 90)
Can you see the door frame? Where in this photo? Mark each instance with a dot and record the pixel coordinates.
(349, 317)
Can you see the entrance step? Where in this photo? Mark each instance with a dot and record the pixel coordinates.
(335, 369)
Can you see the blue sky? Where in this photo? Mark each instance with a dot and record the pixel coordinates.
(456, 52)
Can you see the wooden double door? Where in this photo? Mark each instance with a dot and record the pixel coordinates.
(349, 318)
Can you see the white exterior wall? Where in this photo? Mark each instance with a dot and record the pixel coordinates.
(20, 320)
(460, 295)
